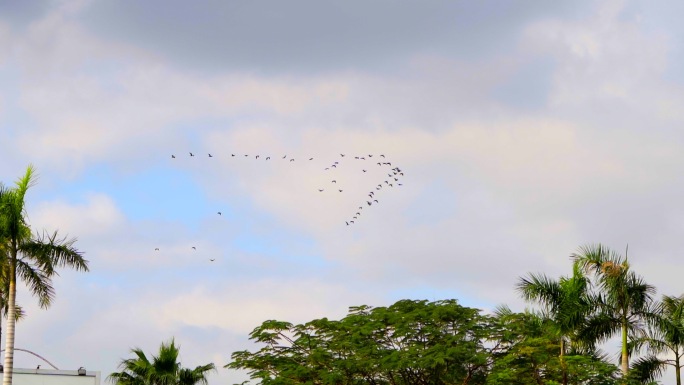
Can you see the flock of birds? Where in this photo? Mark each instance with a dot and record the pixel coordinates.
(392, 180)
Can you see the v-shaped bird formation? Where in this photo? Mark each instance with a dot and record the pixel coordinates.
(364, 163)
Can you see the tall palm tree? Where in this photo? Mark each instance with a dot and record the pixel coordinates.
(624, 300)
(566, 302)
(665, 335)
(32, 257)
(163, 369)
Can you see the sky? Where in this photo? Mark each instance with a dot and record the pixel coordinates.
(524, 130)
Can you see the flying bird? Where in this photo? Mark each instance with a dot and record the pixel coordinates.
(347, 223)
(334, 165)
(219, 213)
(334, 181)
(246, 155)
(310, 158)
(292, 160)
(257, 157)
(375, 200)
(363, 170)
(191, 154)
(340, 190)
(320, 190)
(369, 203)
(212, 260)
(268, 157)
(284, 156)
(156, 249)
(382, 155)
(232, 154)
(173, 156)
(194, 248)
(210, 156)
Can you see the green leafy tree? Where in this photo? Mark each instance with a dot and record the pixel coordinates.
(566, 302)
(32, 257)
(162, 369)
(623, 302)
(409, 342)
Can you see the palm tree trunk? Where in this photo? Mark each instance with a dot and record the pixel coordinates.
(624, 358)
(677, 368)
(562, 362)
(9, 336)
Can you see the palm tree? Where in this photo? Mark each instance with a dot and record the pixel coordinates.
(624, 300)
(33, 258)
(163, 369)
(666, 335)
(565, 302)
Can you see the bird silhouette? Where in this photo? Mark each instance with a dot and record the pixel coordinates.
(334, 181)
(375, 200)
(327, 168)
(257, 157)
(191, 154)
(210, 156)
(292, 160)
(310, 158)
(37, 367)
(382, 155)
(284, 156)
(334, 165)
(320, 189)
(173, 156)
(268, 157)
(194, 248)
(232, 154)
(358, 213)
(212, 260)
(364, 170)
(347, 223)
(219, 213)
(156, 249)
(246, 155)
(342, 155)
(400, 184)
(370, 156)
(340, 190)
(369, 203)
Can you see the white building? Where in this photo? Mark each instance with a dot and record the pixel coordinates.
(55, 377)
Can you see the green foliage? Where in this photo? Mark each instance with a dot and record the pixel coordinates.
(410, 342)
(163, 369)
(532, 355)
(415, 342)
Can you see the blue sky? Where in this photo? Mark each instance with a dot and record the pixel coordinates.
(524, 130)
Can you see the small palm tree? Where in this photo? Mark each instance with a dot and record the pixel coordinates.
(665, 335)
(33, 258)
(163, 369)
(565, 302)
(624, 300)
